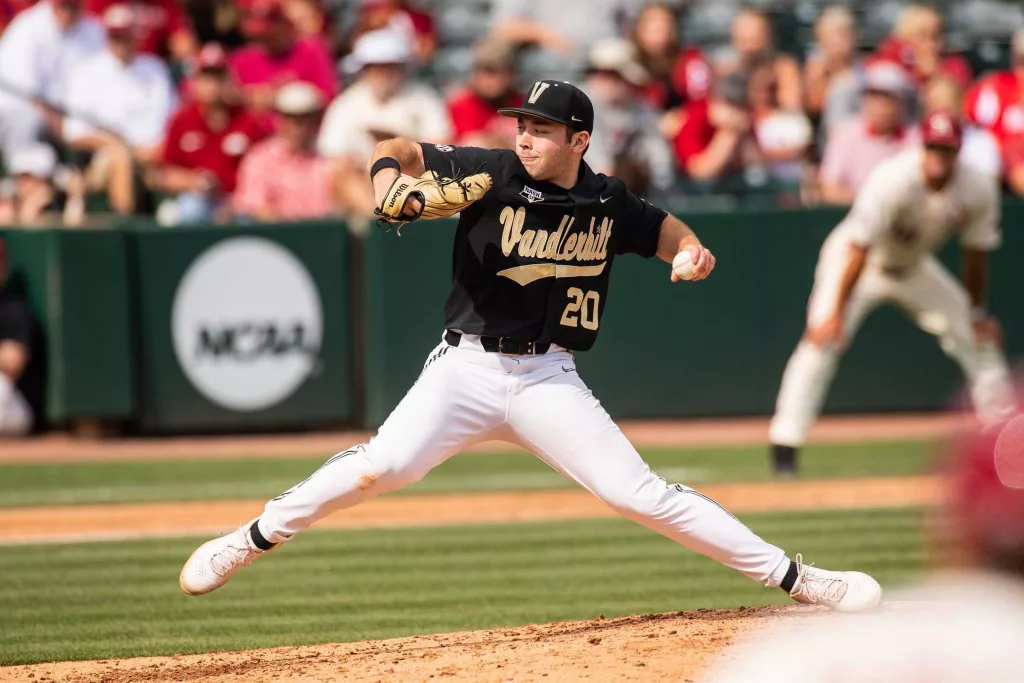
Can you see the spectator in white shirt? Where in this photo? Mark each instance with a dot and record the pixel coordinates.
(121, 101)
(381, 104)
(37, 51)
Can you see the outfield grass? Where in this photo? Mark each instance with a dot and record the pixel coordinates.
(113, 482)
(98, 600)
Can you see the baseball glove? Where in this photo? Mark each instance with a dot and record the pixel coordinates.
(439, 197)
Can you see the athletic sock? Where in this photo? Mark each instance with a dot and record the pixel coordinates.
(257, 538)
(783, 459)
(790, 580)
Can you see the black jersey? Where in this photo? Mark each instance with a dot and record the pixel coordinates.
(531, 260)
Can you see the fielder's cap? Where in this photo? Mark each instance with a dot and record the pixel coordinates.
(212, 57)
(888, 78)
(383, 46)
(942, 129)
(558, 101)
(299, 99)
(618, 55)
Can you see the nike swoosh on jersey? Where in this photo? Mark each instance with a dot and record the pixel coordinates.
(604, 199)
(524, 275)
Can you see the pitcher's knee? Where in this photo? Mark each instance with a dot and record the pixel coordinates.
(634, 503)
(391, 470)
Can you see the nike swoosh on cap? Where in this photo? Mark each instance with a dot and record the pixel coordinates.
(576, 119)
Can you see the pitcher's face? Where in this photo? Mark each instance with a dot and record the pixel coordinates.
(544, 147)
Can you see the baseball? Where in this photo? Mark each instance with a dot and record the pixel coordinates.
(682, 266)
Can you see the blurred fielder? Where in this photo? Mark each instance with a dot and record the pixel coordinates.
(883, 252)
(963, 624)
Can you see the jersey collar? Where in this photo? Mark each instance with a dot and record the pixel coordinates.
(587, 183)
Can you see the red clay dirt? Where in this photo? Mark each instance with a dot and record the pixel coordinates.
(100, 522)
(670, 648)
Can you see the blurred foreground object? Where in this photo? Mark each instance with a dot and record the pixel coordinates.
(961, 625)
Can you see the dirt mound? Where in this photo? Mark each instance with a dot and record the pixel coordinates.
(674, 647)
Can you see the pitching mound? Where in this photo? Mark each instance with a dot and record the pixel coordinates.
(663, 647)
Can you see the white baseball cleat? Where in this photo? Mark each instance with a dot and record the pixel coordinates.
(841, 591)
(215, 562)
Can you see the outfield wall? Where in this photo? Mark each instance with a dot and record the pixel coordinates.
(284, 326)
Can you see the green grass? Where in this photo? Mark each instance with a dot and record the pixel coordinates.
(118, 482)
(119, 599)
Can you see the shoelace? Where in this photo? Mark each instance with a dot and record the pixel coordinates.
(232, 557)
(816, 588)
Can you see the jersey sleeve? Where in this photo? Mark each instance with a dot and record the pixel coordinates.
(637, 225)
(450, 161)
(874, 209)
(982, 230)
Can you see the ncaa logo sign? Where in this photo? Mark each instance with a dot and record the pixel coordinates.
(247, 323)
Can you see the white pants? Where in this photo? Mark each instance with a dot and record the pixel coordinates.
(15, 413)
(936, 302)
(465, 395)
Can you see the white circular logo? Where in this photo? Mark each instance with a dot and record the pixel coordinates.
(247, 323)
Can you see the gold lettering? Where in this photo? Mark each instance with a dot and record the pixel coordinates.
(526, 246)
(606, 231)
(570, 244)
(512, 224)
(540, 244)
(507, 217)
(556, 238)
(589, 247)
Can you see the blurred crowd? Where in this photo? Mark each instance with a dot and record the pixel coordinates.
(261, 110)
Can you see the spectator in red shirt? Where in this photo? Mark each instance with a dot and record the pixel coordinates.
(716, 131)
(206, 141)
(276, 56)
(917, 43)
(679, 75)
(996, 103)
(164, 29)
(491, 85)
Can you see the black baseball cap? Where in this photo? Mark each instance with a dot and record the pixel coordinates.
(558, 101)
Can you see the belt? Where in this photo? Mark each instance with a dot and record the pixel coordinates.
(502, 345)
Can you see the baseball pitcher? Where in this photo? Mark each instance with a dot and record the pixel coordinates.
(537, 236)
(883, 252)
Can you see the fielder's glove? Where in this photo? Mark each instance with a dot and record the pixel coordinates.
(439, 197)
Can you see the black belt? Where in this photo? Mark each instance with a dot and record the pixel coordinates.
(502, 345)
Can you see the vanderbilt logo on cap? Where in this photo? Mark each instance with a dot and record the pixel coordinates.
(538, 89)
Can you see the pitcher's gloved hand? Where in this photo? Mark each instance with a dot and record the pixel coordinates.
(437, 197)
